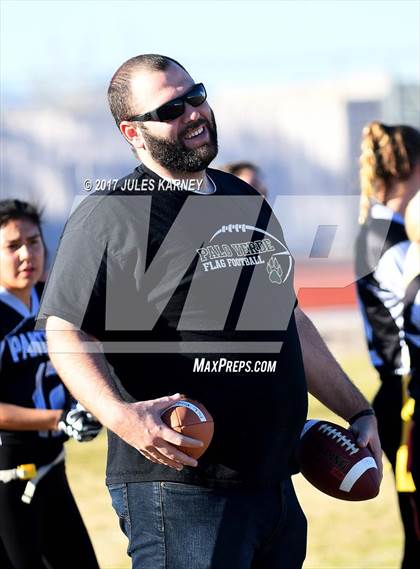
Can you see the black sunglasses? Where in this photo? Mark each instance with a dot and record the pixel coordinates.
(175, 108)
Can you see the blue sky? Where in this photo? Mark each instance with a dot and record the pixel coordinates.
(61, 45)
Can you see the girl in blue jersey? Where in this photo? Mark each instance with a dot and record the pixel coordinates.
(40, 525)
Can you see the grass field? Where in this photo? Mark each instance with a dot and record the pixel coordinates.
(346, 535)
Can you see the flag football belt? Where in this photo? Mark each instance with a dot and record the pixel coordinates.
(403, 477)
(31, 473)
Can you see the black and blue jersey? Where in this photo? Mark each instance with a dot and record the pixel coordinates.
(27, 379)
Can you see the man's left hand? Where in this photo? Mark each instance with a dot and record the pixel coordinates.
(366, 432)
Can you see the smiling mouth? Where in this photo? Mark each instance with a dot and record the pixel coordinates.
(194, 133)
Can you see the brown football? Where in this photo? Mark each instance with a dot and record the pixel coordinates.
(331, 460)
(192, 419)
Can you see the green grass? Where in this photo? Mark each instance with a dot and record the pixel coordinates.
(86, 471)
(345, 535)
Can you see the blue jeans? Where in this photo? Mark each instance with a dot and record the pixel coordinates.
(180, 526)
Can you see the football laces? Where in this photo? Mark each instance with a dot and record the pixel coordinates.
(336, 435)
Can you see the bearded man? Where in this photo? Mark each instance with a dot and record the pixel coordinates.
(179, 282)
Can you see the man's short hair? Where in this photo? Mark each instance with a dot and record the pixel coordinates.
(119, 90)
(236, 167)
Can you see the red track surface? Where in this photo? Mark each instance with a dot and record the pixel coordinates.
(322, 284)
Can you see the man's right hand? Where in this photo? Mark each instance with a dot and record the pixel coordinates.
(140, 425)
(76, 354)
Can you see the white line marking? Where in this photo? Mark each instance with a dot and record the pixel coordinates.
(356, 472)
(191, 407)
(310, 423)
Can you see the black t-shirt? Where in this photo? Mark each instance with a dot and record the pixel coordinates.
(170, 282)
(27, 379)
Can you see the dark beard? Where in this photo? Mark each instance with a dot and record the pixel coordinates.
(175, 157)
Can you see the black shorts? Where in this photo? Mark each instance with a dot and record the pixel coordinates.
(47, 533)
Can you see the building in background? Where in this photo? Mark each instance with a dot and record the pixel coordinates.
(304, 136)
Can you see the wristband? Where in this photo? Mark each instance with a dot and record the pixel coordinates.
(365, 413)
